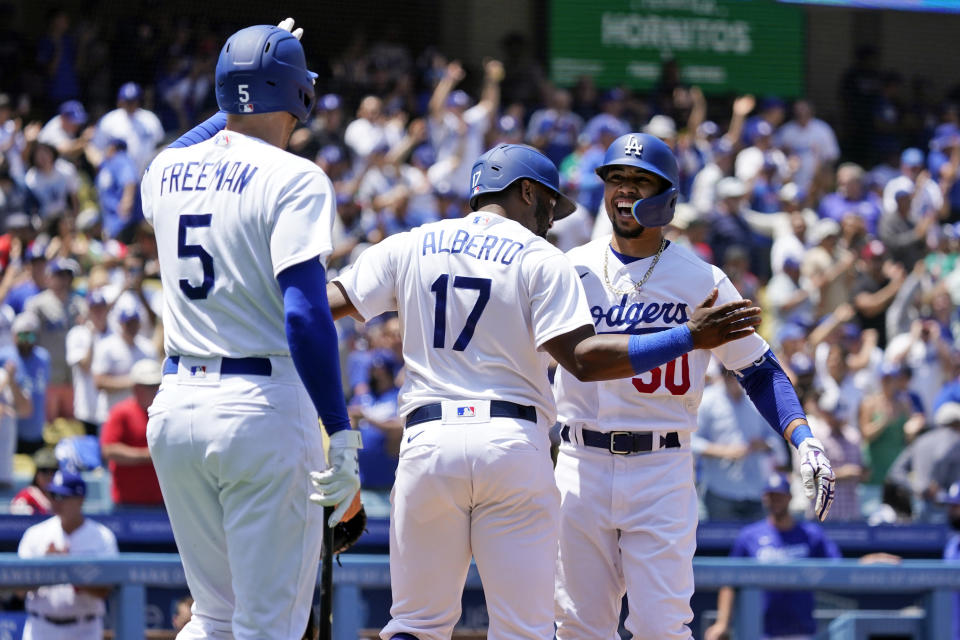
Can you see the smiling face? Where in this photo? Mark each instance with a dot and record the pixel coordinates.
(622, 186)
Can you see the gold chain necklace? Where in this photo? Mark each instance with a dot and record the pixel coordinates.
(636, 285)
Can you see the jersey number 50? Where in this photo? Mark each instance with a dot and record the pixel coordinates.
(439, 289)
(185, 250)
(669, 379)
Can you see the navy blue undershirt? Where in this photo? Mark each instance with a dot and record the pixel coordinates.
(625, 259)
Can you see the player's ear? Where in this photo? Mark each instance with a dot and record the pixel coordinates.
(527, 192)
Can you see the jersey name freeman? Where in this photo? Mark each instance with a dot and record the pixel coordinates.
(480, 246)
(222, 175)
(624, 319)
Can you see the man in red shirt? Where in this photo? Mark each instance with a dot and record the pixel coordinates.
(123, 441)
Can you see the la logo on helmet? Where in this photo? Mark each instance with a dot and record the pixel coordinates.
(634, 147)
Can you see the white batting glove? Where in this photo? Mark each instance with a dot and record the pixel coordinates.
(337, 485)
(287, 25)
(818, 478)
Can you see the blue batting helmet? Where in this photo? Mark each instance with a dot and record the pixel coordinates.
(504, 164)
(648, 153)
(263, 69)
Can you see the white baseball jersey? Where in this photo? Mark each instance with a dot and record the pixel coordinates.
(230, 214)
(141, 131)
(90, 539)
(665, 398)
(477, 298)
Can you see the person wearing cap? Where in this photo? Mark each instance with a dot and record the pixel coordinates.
(80, 344)
(852, 198)
(555, 128)
(118, 185)
(324, 129)
(65, 132)
(138, 127)
(809, 138)
(734, 446)
(35, 498)
(951, 552)
(379, 421)
(750, 161)
(926, 349)
(58, 308)
(926, 196)
(777, 538)
(828, 266)
(888, 419)
(612, 106)
(904, 232)
(114, 357)
(66, 611)
(830, 421)
(123, 442)
(729, 228)
(30, 364)
(457, 129)
(36, 260)
(787, 298)
(930, 464)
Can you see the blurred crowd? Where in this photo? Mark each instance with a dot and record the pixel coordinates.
(847, 233)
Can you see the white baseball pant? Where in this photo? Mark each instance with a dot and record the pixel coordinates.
(485, 490)
(233, 454)
(39, 629)
(627, 525)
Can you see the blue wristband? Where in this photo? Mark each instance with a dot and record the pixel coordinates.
(650, 350)
(801, 433)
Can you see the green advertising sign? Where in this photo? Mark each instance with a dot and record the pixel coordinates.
(729, 46)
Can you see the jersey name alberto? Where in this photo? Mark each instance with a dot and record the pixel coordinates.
(667, 397)
(477, 297)
(230, 214)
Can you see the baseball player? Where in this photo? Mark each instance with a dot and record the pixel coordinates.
(243, 231)
(480, 299)
(628, 514)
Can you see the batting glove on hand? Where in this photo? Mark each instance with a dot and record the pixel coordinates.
(287, 25)
(337, 485)
(818, 478)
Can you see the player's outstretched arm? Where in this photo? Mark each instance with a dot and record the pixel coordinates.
(592, 357)
(340, 304)
(771, 392)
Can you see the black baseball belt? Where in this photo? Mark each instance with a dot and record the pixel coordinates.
(624, 442)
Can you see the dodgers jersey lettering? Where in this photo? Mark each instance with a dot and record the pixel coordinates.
(668, 396)
(480, 295)
(230, 214)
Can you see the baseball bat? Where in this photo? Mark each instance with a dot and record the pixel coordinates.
(326, 579)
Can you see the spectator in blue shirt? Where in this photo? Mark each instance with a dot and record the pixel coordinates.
(951, 552)
(32, 375)
(734, 446)
(118, 186)
(20, 293)
(380, 424)
(778, 538)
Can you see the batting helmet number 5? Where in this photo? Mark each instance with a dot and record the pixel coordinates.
(243, 93)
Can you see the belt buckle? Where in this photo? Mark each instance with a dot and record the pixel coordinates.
(613, 449)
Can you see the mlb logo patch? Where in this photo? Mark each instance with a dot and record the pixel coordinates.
(198, 372)
(481, 219)
(246, 108)
(466, 412)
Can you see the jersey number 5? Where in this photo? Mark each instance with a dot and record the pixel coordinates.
(669, 378)
(185, 250)
(439, 288)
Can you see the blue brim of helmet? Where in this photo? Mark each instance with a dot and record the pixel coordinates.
(565, 206)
